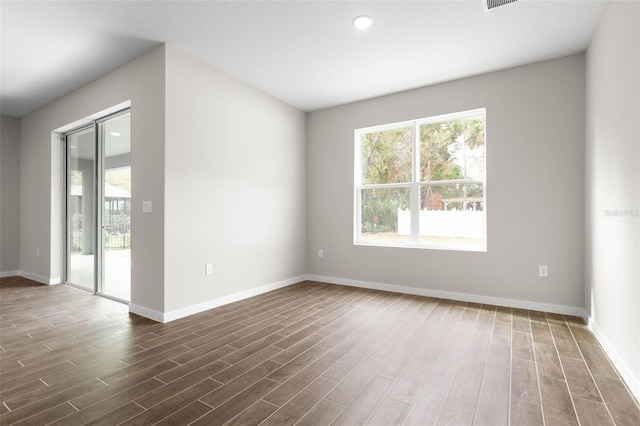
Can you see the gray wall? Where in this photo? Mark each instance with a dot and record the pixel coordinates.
(235, 186)
(535, 188)
(9, 195)
(613, 186)
(141, 82)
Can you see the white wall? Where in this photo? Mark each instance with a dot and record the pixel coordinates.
(9, 195)
(235, 187)
(613, 186)
(41, 205)
(535, 188)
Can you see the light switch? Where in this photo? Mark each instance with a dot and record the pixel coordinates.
(147, 207)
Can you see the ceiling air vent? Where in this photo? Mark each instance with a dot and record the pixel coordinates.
(491, 4)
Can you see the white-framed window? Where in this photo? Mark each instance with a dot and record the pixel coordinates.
(422, 183)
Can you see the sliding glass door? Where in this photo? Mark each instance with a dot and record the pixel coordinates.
(81, 207)
(98, 213)
(116, 202)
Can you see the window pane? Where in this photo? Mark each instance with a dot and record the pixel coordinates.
(452, 216)
(385, 215)
(386, 156)
(452, 149)
(81, 208)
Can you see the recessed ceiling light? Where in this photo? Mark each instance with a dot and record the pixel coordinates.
(116, 134)
(362, 22)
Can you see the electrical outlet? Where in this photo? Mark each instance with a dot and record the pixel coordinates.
(320, 253)
(208, 269)
(543, 271)
(37, 252)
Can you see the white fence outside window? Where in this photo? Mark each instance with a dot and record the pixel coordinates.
(444, 223)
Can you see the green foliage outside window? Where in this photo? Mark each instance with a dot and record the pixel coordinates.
(449, 150)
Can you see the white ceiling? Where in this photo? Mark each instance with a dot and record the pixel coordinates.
(305, 53)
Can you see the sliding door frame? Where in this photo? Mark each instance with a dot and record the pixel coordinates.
(98, 210)
(67, 197)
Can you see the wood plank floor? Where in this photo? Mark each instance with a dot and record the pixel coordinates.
(308, 354)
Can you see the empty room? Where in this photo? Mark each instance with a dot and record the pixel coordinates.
(320, 212)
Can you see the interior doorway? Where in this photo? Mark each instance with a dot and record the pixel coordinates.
(98, 206)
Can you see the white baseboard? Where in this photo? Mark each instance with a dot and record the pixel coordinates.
(6, 274)
(633, 383)
(463, 297)
(146, 312)
(40, 278)
(205, 306)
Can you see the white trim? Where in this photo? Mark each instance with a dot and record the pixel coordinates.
(201, 307)
(632, 382)
(416, 183)
(40, 279)
(100, 114)
(425, 120)
(464, 297)
(146, 312)
(205, 306)
(6, 274)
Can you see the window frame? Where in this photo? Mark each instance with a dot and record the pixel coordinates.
(416, 184)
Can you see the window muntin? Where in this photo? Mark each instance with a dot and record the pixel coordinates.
(422, 183)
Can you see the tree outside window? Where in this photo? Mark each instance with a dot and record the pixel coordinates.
(422, 183)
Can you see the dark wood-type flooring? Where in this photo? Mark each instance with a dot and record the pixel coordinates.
(308, 354)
